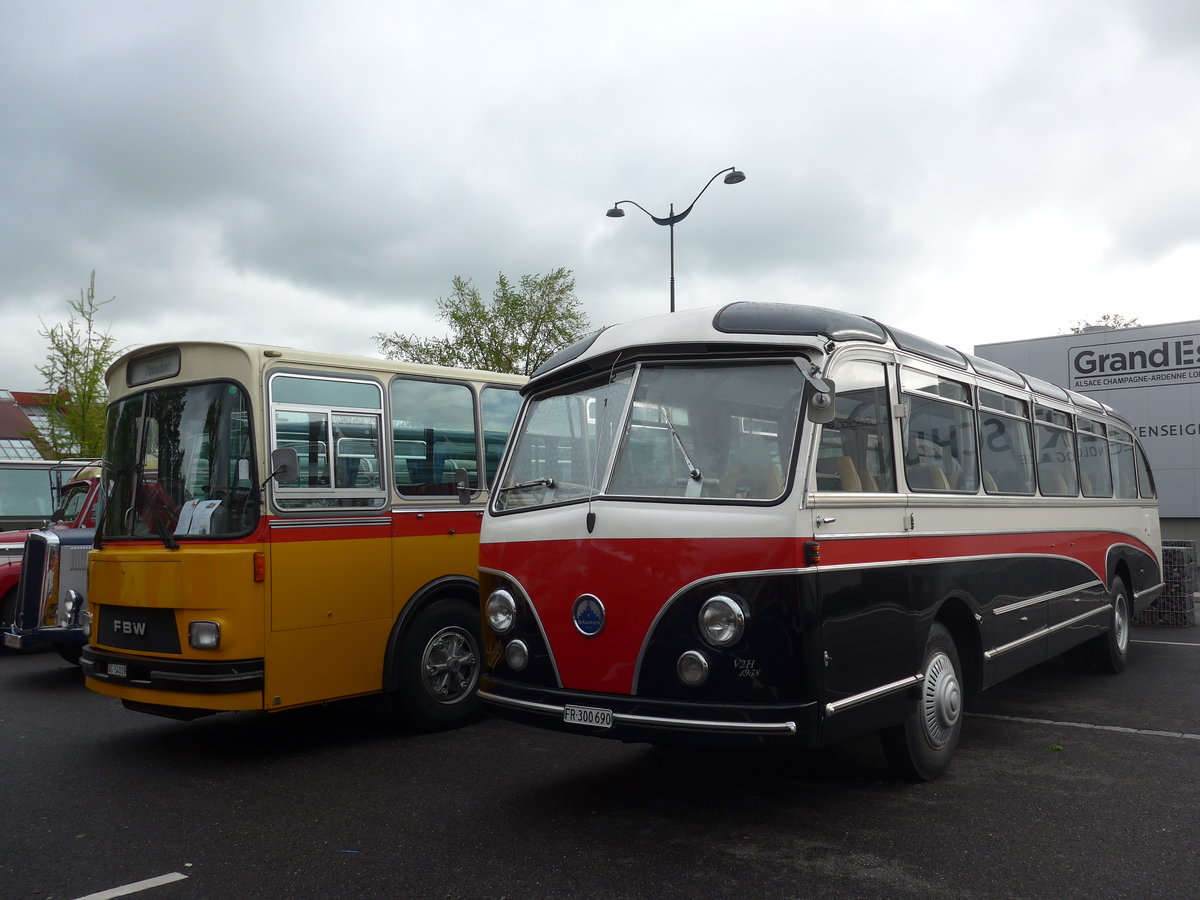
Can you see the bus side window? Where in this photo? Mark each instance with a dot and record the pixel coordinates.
(435, 421)
(334, 425)
(856, 447)
(499, 407)
(1005, 444)
(1057, 475)
(1095, 469)
(1124, 473)
(939, 445)
(1145, 476)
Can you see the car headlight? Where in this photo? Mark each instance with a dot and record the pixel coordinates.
(516, 654)
(722, 621)
(69, 609)
(204, 635)
(501, 611)
(692, 668)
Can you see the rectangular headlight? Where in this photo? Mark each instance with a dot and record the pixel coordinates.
(204, 635)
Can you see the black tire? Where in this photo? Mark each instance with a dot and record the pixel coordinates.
(69, 652)
(1110, 651)
(437, 669)
(920, 749)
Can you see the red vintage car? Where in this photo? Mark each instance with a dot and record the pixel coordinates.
(75, 485)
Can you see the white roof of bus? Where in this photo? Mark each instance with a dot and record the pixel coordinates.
(259, 352)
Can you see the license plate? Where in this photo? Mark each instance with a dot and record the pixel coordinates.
(588, 715)
(12, 641)
(116, 670)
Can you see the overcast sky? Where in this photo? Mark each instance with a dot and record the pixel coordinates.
(312, 173)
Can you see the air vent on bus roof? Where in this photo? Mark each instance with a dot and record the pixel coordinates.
(995, 370)
(928, 348)
(750, 317)
(1046, 389)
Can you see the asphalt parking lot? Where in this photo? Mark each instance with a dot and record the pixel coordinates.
(1065, 785)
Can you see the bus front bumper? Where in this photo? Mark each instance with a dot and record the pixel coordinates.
(42, 637)
(641, 720)
(187, 676)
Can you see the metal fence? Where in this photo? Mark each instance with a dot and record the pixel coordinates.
(1177, 605)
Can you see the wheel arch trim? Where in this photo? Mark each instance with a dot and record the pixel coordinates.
(440, 589)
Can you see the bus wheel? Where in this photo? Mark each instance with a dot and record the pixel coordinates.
(920, 749)
(1111, 650)
(439, 666)
(70, 652)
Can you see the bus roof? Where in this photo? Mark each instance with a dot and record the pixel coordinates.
(260, 354)
(749, 326)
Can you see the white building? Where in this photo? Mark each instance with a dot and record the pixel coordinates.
(1151, 376)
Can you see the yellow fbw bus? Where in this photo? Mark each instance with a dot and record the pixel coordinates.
(284, 528)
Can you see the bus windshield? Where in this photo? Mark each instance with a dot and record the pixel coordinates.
(708, 431)
(179, 464)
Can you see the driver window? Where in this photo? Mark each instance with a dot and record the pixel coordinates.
(855, 452)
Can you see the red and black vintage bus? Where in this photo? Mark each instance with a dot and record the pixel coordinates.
(774, 523)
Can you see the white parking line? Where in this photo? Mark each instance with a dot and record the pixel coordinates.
(135, 887)
(1168, 643)
(1115, 728)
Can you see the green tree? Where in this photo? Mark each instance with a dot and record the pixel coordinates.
(1107, 322)
(522, 326)
(79, 354)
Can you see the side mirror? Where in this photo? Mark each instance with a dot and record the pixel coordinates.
(821, 400)
(463, 483)
(285, 464)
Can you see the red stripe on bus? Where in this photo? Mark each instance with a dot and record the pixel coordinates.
(404, 525)
(634, 578)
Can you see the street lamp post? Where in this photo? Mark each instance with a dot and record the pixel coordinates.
(732, 176)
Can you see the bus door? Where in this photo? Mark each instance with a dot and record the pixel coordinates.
(859, 524)
(330, 559)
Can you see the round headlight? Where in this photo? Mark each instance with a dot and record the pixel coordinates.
(692, 668)
(516, 654)
(501, 611)
(722, 621)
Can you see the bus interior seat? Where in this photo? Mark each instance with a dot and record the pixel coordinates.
(930, 478)
(752, 474)
(848, 474)
(1053, 482)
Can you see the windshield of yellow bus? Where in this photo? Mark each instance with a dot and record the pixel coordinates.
(699, 431)
(178, 464)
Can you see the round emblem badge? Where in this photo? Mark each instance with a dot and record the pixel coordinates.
(588, 615)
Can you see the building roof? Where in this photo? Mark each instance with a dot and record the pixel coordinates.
(17, 431)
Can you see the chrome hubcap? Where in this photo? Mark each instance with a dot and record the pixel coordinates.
(450, 665)
(1121, 623)
(941, 700)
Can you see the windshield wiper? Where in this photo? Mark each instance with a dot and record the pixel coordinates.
(155, 509)
(544, 480)
(687, 460)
